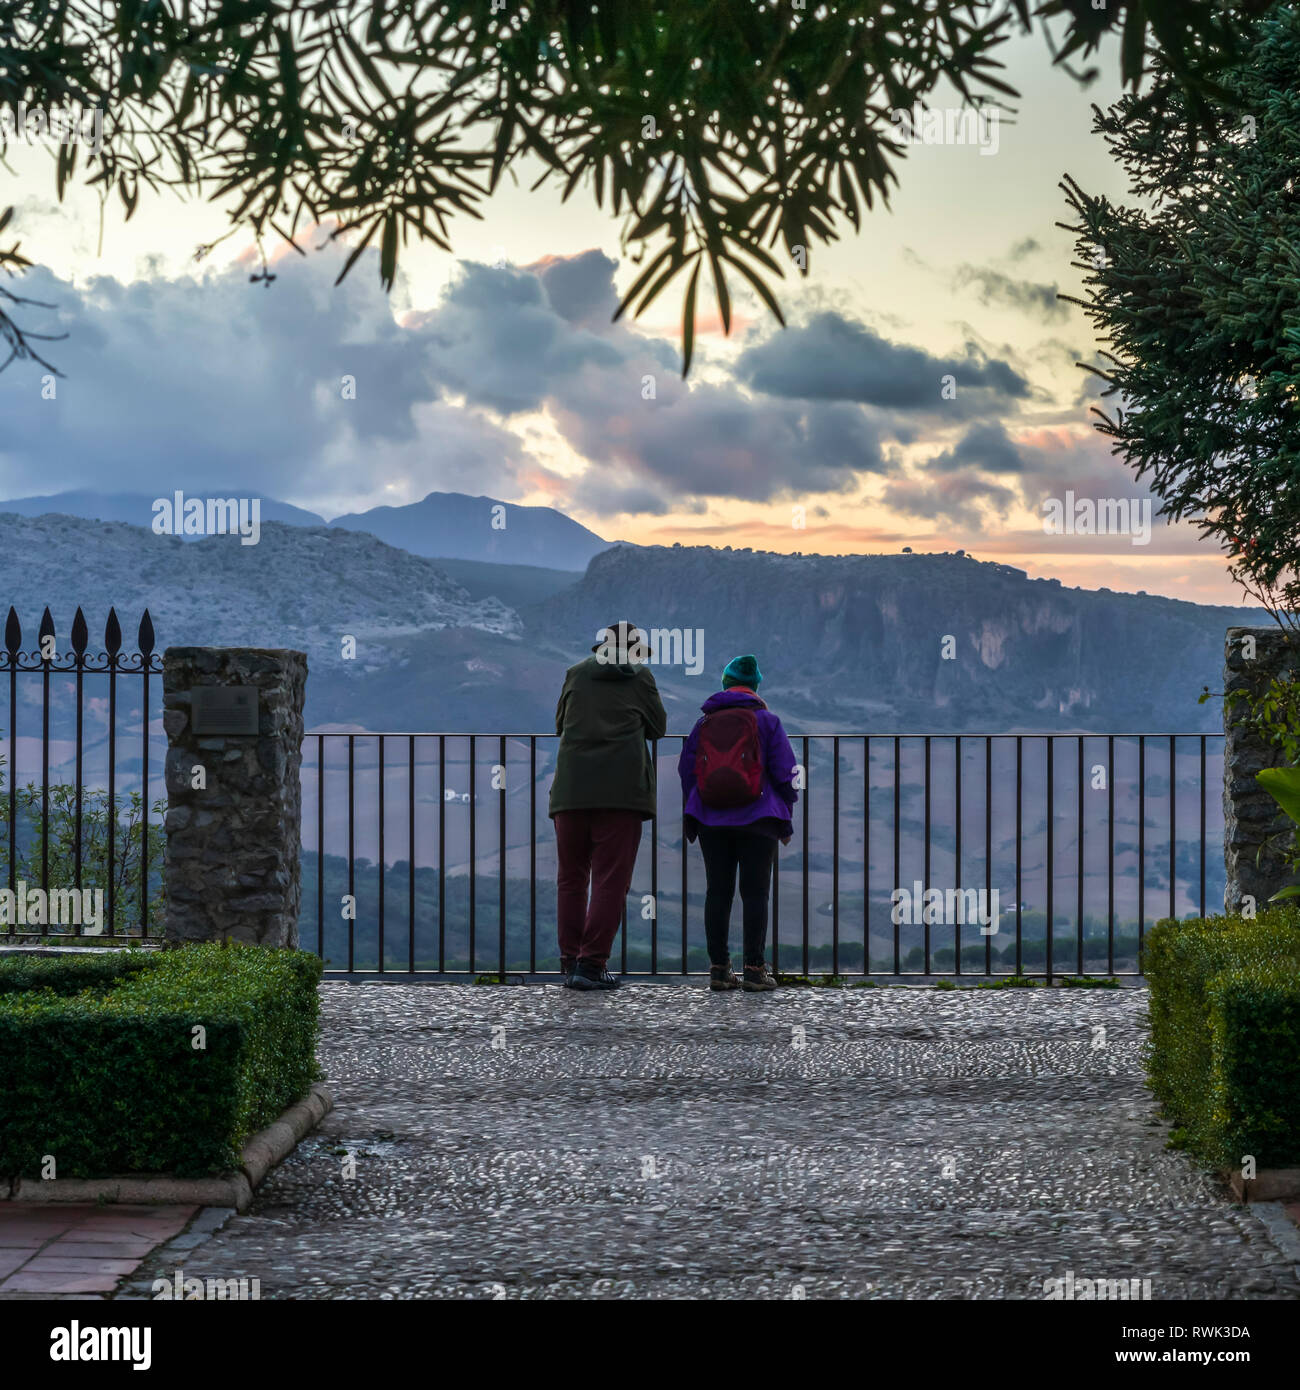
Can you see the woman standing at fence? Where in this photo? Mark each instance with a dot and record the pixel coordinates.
(604, 789)
(737, 771)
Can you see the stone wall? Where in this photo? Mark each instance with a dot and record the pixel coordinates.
(232, 860)
(1252, 657)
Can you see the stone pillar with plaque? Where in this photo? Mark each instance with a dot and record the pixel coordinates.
(234, 723)
(1255, 828)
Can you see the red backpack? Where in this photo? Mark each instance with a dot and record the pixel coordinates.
(729, 758)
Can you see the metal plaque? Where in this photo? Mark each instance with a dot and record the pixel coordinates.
(224, 709)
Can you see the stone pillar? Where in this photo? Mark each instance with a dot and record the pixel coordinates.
(232, 862)
(1252, 657)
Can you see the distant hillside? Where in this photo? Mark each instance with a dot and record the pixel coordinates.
(453, 526)
(302, 587)
(444, 525)
(857, 642)
(514, 585)
(847, 643)
(136, 508)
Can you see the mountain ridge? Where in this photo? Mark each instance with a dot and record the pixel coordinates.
(441, 525)
(846, 643)
(862, 638)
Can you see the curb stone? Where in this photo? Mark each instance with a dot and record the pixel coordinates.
(171, 1254)
(1268, 1185)
(1280, 1227)
(234, 1189)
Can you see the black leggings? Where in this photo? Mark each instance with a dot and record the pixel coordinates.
(726, 850)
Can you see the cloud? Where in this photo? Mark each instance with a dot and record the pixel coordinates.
(764, 534)
(497, 339)
(501, 340)
(985, 446)
(580, 288)
(304, 390)
(1066, 353)
(955, 485)
(993, 287)
(961, 498)
(832, 357)
(1081, 463)
(1091, 386)
(1039, 463)
(307, 392)
(716, 442)
(291, 390)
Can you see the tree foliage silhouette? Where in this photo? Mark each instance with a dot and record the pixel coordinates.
(736, 133)
(1195, 293)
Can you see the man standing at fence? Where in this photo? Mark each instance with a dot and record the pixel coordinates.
(604, 788)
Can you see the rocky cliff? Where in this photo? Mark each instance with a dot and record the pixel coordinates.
(912, 642)
(875, 643)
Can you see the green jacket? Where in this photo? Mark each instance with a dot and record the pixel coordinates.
(606, 713)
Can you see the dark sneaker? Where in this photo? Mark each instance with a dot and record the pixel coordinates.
(567, 964)
(758, 977)
(722, 977)
(588, 975)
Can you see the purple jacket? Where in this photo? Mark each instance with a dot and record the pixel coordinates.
(777, 795)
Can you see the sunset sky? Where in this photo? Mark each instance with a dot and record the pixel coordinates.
(498, 372)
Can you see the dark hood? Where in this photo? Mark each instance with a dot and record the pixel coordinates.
(613, 670)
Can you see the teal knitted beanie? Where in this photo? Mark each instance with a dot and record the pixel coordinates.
(743, 670)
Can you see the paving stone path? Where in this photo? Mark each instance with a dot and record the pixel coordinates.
(665, 1142)
(78, 1249)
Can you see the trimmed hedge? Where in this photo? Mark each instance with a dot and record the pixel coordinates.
(1224, 1052)
(67, 974)
(108, 1080)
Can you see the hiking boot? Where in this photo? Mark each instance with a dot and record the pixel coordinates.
(567, 964)
(722, 977)
(758, 977)
(588, 975)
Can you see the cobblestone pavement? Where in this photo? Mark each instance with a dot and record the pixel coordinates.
(666, 1142)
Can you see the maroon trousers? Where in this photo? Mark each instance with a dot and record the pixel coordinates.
(596, 849)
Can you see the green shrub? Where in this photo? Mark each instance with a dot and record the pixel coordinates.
(108, 1080)
(67, 974)
(1224, 1052)
(1255, 1028)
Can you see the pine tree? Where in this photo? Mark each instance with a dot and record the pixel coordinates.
(1195, 293)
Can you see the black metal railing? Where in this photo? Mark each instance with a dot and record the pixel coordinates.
(1090, 848)
(88, 821)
